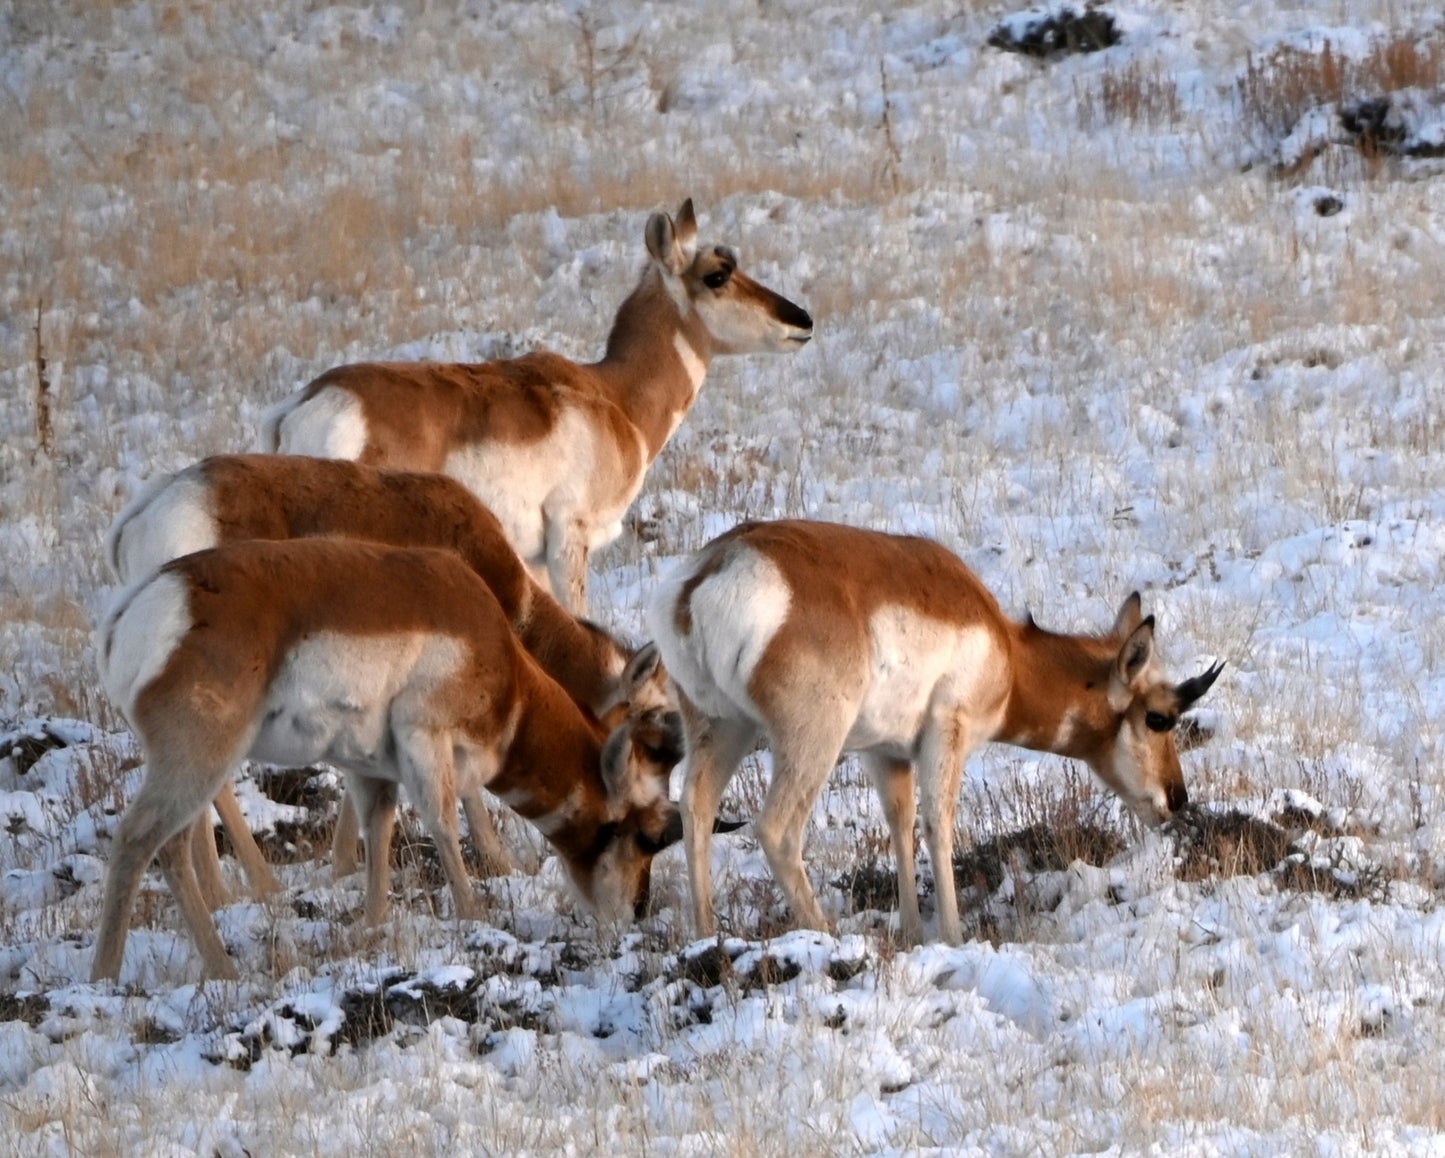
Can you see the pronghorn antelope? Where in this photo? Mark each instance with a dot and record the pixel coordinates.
(397, 666)
(826, 638)
(233, 497)
(558, 450)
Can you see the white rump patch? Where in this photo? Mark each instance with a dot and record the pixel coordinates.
(142, 630)
(171, 518)
(330, 425)
(735, 613)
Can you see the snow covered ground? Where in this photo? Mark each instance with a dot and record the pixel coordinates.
(1166, 316)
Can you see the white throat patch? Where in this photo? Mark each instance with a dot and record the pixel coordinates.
(695, 367)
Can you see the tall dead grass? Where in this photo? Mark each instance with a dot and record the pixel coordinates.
(1275, 90)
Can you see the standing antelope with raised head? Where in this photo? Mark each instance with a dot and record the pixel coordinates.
(227, 498)
(826, 638)
(397, 666)
(556, 449)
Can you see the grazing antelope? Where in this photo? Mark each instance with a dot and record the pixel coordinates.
(827, 638)
(558, 450)
(400, 668)
(228, 498)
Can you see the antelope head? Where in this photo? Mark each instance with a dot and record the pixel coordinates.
(637, 762)
(739, 314)
(1141, 762)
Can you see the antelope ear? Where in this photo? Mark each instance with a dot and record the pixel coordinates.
(687, 230)
(1192, 689)
(639, 756)
(642, 668)
(1130, 664)
(615, 757)
(1131, 614)
(668, 243)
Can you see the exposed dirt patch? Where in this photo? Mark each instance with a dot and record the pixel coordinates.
(1233, 843)
(422, 1001)
(870, 886)
(298, 787)
(769, 970)
(1301, 874)
(152, 1032)
(365, 1016)
(1037, 848)
(706, 968)
(1225, 844)
(1379, 125)
(1069, 30)
(26, 750)
(30, 1008)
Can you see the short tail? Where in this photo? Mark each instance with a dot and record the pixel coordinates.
(115, 537)
(272, 419)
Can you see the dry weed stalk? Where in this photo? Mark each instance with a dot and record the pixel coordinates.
(895, 158)
(1141, 94)
(44, 430)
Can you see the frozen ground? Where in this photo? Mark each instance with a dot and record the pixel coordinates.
(1150, 317)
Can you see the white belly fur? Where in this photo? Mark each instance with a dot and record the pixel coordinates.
(525, 485)
(338, 698)
(918, 662)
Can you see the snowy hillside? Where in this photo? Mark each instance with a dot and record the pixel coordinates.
(1166, 316)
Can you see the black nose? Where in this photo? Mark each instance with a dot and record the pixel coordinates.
(793, 315)
(1178, 797)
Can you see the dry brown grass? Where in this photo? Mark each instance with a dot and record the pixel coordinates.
(1141, 92)
(1276, 90)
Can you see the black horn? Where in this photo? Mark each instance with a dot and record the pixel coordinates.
(1193, 688)
(721, 825)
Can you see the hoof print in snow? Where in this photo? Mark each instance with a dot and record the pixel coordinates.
(1052, 34)
(1328, 205)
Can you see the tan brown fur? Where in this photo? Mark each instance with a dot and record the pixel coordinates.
(250, 604)
(286, 497)
(556, 448)
(281, 497)
(824, 638)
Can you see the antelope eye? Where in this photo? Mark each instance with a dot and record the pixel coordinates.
(717, 279)
(1159, 722)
